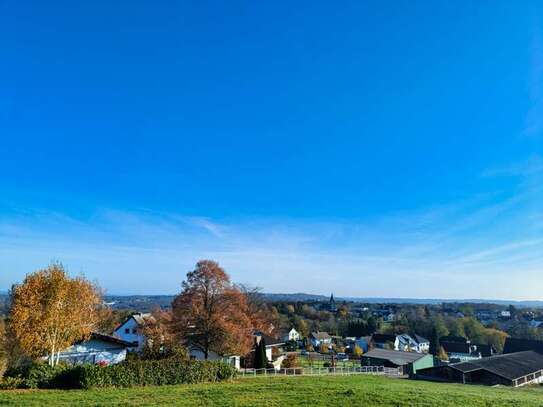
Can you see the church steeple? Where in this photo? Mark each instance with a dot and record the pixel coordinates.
(332, 303)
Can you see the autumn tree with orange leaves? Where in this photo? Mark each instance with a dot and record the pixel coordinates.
(50, 311)
(211, 314)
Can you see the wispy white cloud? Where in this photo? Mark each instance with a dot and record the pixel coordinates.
(456, 250)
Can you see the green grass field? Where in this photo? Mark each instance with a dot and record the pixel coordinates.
(290, 391)
(319, 362)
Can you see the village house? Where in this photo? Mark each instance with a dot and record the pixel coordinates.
(273, 345)
(131, 330)
(505, 314)
(320, 338)
(385, 341)
(387, 314)
(274, 353)
(486, 316)
(97, 349)
(362, 342)
(195, 353)
(292, 335)
(412, 343)
(466, 351)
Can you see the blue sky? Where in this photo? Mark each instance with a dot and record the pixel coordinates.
(366, 148)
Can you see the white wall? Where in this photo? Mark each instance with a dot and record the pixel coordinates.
(199, 355)
(132, 335)
(94, 351)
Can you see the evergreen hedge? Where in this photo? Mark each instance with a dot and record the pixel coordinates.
(126, 374)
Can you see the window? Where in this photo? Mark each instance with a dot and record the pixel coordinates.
(126, 330)
(134, 330)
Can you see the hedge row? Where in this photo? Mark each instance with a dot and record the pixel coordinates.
(126, 374)
(151, 373)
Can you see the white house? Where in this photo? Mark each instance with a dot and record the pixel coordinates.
(320, 338)
(97, 349)
(292, 335)
(412, 343)
(271, 343)
(197, 354)
(131, 330)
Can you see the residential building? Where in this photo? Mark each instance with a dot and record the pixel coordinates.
(485, 315)
(97, 349)
(270, 342)
(505, 314)
(198, 354)
(385, 341)
(387, 314)
(412, 343)
(512, 369)
(363, 343)
(292, 335)
(406, 362)
(466, 351)
(131, 330)
(320, 338)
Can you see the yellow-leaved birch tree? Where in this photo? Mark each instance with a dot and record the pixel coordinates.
(50, 311)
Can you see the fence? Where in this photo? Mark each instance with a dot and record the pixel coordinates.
(321, 371)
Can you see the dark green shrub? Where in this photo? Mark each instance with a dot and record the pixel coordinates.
(42, 376)
(38, 375)
(149, 373)
(133, 372)
(11, 383)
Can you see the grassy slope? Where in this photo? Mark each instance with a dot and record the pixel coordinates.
(294, 391)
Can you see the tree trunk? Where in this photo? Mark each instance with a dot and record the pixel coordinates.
(51, 358)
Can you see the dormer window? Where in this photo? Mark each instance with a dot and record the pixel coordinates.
(126, 330)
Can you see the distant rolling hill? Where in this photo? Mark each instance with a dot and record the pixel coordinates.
(146, 303)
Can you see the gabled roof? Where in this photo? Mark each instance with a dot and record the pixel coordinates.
(510, 366)
(139, 317)
(382, 338)
(456, 347)
(519, 345)
(109, 339)
(452, 338)
(397, 357)
(486, 350)
(420, 339)
(142, 318)
(320, 335)
(269, 340)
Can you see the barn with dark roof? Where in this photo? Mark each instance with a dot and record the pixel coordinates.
(513, 345)
(513, 369)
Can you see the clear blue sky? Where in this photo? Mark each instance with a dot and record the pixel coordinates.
(366, 148)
